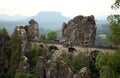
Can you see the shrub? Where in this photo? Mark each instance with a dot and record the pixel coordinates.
(77, 62)
(24, 75)
(33, 55)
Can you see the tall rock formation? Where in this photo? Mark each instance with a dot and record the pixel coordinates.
(28, 33)
(33, 30)
(80, 30)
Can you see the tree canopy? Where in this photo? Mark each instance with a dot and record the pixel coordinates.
(52, 35)
(114, 26)
(4, 32)
(116, 4)
(110, 63)
(15, 45)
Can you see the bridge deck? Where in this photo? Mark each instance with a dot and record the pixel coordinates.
(78, 48)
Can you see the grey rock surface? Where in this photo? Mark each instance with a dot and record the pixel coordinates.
(83, 73)
(28, 33)
(80, 30)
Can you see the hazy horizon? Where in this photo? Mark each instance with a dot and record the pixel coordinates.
(69, 8)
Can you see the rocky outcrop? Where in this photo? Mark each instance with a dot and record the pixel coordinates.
(23, 65)
(32, 30)
(80, 30)
(83, 73)
(23, 37)
(40, 70)
(58, 69)
(54, 67)
(28, 33)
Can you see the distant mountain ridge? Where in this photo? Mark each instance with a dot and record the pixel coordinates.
(4, 17)
(49, 20)
(50, 16)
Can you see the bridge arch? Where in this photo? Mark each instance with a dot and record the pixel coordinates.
(41, 45)
(52, 47)
(71, 49)
(94, 54)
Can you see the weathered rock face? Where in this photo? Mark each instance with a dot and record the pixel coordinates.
(23, 65)
(55, 67)
(33, 30)
(80, 30)
(24, 38)
(40, 70)
(28, 33)
(83, 73)
(58, 69)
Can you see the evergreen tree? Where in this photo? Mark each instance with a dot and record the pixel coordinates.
(15, 45)
(4, 32)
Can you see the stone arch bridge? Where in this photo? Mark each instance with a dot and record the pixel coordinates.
(59, 46)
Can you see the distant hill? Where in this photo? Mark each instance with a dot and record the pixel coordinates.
(49, 19)
(4, 17)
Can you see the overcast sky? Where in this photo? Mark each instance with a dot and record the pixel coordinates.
(66, 7)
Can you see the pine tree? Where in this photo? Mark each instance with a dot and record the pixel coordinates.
(16, 54)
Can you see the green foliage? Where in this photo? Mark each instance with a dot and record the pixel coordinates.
(24, 75)
(33, 55)
(114, 27)
(8, 51)
(42, 37)
(51, 53)
(15, 45)
(94, 71)
(102, 60)
(115, 62)
(116, 5)
(75, 61)
(52, 35)
(107, 73)
(4, 32)
(110, 63)
(3, 75)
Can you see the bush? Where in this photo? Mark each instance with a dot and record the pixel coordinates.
(110, 63)
(77, 62)
(24, 75)
(33, 55)
(102, 60)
